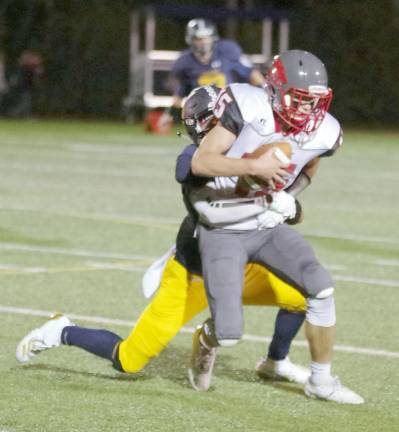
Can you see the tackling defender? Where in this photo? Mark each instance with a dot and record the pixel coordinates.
(181, 296)
(292, 108)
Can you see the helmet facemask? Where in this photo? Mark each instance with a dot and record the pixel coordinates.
(297, 83)
(199, 125)
(202, 48)
(197, 114)
(301, 110)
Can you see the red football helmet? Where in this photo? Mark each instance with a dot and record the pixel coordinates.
(300, 95)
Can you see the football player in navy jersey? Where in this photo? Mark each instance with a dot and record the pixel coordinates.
(293, 108)
(180, 293)
(210, 61)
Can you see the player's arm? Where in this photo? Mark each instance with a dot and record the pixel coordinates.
(209, 160)
(215, 212)
(256, 78)
(183, 173)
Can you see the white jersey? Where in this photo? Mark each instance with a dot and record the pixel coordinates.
(246, 111)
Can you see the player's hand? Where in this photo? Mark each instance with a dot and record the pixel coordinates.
(283, 203)
(269, 168)
(269, 219)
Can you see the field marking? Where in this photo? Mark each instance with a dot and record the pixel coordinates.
(387, 262)
(250, 338)
(64, 169)
(351, 237)
(147, 221)
(122, 150)
(147, 260)
(367, 281)
(71, 252)
(165, 223)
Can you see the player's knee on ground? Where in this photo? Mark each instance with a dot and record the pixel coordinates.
(321, 309)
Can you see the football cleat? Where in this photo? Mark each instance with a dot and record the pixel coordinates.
(332, 390)
(284, 370)
(42, 338)
(202, 361)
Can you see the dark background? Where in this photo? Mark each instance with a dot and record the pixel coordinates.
(85, 45)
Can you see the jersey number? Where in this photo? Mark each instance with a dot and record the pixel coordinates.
(221, 104)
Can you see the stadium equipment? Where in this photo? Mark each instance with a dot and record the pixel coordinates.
(298, 85)
(332, 390)
(202, 362)
(285, 370)
(42, 338)
(282, 152)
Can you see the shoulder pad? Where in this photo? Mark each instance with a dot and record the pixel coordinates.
(253, 102)
(325, 137)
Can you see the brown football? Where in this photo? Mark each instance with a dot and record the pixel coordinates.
(283, 152)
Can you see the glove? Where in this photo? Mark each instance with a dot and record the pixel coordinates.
(284, 204)
(269, 219)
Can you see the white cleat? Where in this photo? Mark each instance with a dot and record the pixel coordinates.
(42, 338)
(332, 390)
(283, 370)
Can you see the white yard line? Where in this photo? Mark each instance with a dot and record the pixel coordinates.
(67, 169)
(250, 338)
(367, 281)
(71, 252)
(352, 237)
(123, 150)
(120, 256)
(387, 262)
(139, 220)
(159, 221)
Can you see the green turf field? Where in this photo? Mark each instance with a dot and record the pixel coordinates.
(85, 207)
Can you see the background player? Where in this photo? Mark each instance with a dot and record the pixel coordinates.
(210, 61)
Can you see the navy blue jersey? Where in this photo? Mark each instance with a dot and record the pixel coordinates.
(225, 67)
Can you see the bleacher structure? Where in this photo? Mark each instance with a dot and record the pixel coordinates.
(149, 68)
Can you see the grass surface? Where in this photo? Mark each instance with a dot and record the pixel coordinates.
(86, 207)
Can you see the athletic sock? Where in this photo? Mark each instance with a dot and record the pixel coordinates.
(98, 342)
(320, 371)
(285, 329)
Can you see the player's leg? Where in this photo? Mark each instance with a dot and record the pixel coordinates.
(286, 253)
(223, 262)
(262, 287)
(179, 298)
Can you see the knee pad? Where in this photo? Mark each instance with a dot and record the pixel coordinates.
(321, 309)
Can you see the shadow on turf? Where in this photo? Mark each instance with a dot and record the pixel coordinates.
(65, 371)
(172, 365)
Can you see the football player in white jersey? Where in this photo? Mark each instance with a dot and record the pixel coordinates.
(292, 108)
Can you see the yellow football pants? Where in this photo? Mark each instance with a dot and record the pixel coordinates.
(181, 296)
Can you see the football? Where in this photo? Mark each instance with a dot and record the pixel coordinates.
(282, 151)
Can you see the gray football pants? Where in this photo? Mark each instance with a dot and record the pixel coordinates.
(224, 254)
